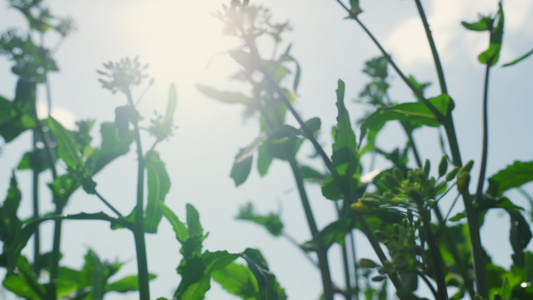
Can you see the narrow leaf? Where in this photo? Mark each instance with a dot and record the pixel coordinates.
(158, 187)
(521, 58)
(225, 97)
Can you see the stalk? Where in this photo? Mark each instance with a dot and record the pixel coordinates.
(37, 234)
(138, 231)
(484, 152)
(436, 256)
(434, 52)
(323, 263)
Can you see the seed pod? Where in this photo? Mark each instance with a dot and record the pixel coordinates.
(365, 262)
(443, 166)
(451, 175)
(427, 166)
(379, 278)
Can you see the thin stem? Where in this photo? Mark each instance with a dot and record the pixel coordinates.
(319, 244)
(477, 249)
(452, 247)
(138, 232)
(430, 286)
(484, 152)
(411, 141)
(109, 205)
(436, 256)
(347, 279)
(434, 52)
(356, 265)
(295, 243)
(36, 214)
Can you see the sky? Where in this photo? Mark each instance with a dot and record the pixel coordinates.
(184, 44)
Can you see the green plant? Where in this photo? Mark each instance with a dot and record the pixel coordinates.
(73, 150)
(400, 207)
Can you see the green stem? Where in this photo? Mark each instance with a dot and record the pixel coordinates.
(37, 235)
(345, 260)
(106, 203)
(436, 257)
(411, 141)
(477, 249)
(319, 244)
(356, 265)
(434, 52)
(484, 152)
(460, 262)
(138, 232)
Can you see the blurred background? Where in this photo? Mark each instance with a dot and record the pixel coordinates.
(183, 43)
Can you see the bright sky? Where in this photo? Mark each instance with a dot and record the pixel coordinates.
(183, 44)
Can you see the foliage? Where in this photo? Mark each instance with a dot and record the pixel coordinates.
(399, 210)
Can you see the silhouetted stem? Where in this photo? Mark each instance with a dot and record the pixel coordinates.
(484, 152)
(106, 203)
(434, 52)
(138, 232)
(319, 244)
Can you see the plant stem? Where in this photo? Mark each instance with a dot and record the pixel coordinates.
(138, 232)
(450, 244)
(37, 235)
(319, 244)
(484, 152)
(111, 207)
(436, 256)
(434, 52)
(356, 265)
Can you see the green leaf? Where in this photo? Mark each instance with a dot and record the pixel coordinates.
(520, 236)
(311, 174)
(521, 58)
(182, 234)
(158, 187)
(415, 113)
(355, 9)
(67, 149)
(513, 176)
(225, 97)
(17, 116)
(196, 273)
(126, 284)
(484, 24)
(270, 222)
(238, 280)
(344, 158)
(24, 284)
(193, 221)
(243, 161)
(267, 283)
(492, 54)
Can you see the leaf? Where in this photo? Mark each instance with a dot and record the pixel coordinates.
(196, 273)
(24, 284)
(270, 222)
(243, 161)
(171, 104)
(512, 176)
(238, 280)
(311, 174)
(485, 23)
(225, 97)
(492, 54)
(158, 187)
(17, 116)
(66, 148)
(267, 283)
(520, 236)
(415, 113)
(344, 157)
(521, 58)
(355, 9)
(126, 284)
(182, 234)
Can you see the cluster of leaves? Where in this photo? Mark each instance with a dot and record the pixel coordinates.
(403, 211)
